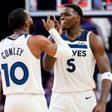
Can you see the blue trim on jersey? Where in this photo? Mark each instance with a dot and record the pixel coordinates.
(78, 46)
(64, 36)
(25, 34)
(82, 37)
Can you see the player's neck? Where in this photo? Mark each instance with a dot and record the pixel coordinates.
(73, 33)
(20, 31)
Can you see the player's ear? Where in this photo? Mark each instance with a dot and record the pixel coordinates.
(27, 23)
(78, 18)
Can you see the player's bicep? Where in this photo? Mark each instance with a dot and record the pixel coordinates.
(100, 55)
(59, 50)
(48, 47)
(103, 63)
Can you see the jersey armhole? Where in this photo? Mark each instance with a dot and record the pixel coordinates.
(88, 37)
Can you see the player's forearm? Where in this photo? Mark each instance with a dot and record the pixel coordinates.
(62, 47)
(48, 62)
(106, 86)
(55, 35)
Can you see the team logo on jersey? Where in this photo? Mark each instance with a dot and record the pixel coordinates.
(79, 53)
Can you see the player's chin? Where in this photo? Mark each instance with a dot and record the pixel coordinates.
(65, 26)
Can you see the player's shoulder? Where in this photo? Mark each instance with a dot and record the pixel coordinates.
(95, 37)
(2, 41)
(92, 34)
(38, 39)
(96, 42)
(84, 35)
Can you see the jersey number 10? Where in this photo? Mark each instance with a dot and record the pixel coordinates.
(10, 73)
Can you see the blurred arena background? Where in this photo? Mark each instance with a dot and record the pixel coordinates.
(97, 17)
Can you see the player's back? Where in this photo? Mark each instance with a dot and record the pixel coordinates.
(20, 70)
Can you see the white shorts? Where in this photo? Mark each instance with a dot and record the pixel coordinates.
(25, 103)
(73, 102)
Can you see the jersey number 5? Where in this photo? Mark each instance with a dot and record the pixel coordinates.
(10, 74)
(71, 65)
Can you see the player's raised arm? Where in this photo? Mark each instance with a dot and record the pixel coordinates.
(63, 48)
(44, 45)
(49, 61)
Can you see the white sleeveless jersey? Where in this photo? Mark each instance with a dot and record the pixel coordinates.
(20, 70)
(75, 74)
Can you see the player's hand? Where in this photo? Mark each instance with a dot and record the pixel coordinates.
(100, 107)
(48, 24)
(58, 26)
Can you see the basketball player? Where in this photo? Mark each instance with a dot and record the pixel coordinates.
(20, 63)
(73, 77)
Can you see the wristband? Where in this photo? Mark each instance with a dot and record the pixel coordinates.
(106, 75)
(62, 47)
(55, 35)
(61, 52)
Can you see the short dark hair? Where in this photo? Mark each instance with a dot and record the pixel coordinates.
(16, 18)
(76, 8)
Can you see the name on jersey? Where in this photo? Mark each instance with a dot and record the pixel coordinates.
(79, 53)
(11, 51)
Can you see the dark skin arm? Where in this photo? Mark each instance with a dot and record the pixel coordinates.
(102, 62)
(48, 61)
(38, 44)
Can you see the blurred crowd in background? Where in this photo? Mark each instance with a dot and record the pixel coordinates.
(99, 25)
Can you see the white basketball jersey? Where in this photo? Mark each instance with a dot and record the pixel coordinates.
(75, 74)
(20, 70)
